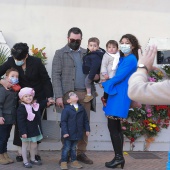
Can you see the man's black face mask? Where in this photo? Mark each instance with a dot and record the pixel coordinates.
(74, 44)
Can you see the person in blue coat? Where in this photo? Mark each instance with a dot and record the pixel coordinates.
(74, 122)
(118, 102)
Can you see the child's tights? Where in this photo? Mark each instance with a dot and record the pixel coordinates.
(33, 146)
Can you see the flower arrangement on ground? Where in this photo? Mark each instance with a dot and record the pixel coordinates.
(39, 53)
(147, 120)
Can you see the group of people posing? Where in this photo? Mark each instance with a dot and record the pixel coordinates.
(27, 89)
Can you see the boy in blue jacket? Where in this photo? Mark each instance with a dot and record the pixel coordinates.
(74, 121)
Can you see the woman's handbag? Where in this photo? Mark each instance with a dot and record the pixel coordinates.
(50, 128)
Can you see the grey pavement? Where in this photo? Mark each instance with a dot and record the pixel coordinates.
(51, 159)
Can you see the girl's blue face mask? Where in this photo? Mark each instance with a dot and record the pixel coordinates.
(19, 63)
(14, 80)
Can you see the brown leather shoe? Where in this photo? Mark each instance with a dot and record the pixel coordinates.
(83, 158)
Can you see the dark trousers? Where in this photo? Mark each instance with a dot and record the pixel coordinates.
(4, 136)
(116, 135)
(69, 146)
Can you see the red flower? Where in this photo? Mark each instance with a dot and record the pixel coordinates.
(146, 122)
(132, 140)
(159, 107)
(166, 121)
(157, 129)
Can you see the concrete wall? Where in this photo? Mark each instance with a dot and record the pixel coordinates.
(46, 22)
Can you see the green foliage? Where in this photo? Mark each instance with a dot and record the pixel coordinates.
(4, 54)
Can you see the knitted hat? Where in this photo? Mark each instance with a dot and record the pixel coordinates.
(26, 90)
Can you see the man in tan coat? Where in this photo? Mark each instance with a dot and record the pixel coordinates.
(140, 90)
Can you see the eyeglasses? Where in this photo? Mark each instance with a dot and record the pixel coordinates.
(76, 41)
(72, 94)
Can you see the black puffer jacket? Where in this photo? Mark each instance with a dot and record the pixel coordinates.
(92, 62)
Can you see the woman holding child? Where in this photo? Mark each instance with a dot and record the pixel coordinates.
(118, 102)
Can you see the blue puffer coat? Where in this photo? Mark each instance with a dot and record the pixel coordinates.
(74, 122)
(118, 102)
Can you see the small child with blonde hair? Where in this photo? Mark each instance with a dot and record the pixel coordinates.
(29, 122)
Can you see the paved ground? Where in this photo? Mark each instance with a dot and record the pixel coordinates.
(51, 158)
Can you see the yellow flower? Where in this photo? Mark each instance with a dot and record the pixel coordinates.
(153, 125)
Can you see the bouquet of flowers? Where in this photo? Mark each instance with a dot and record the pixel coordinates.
(147, 120)
(39, 53)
